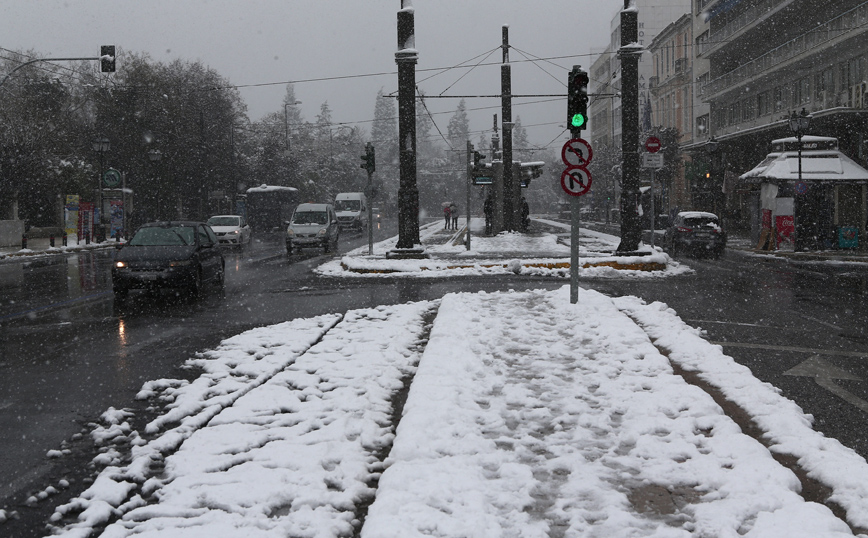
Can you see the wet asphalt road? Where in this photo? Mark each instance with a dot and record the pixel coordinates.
(67, 353)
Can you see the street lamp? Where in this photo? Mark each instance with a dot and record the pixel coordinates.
(711, 147)
(101, 146)
(799, 124)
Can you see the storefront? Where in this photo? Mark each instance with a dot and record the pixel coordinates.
(809, 200)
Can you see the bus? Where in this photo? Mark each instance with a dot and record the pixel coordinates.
(270, 206)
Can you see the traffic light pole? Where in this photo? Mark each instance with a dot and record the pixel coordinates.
(408, 193)
(631, 227)
(469, 182)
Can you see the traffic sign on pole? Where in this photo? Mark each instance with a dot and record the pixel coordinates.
(576, 180)
(653, 144)
(577, 152)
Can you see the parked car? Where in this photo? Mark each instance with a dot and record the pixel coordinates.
(313, 225)
(179, 255)
(696, 232)
(230, 229)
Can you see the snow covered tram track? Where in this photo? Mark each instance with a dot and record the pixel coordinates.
(784, 439)
(282, 418)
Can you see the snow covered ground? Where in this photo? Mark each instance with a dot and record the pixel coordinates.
(525, 416)
(538, 254)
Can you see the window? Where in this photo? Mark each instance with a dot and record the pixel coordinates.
(748, 109)
(778, 98)
(702, 125)
(764, 103)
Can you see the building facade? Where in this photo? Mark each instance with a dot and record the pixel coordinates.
(767, 60)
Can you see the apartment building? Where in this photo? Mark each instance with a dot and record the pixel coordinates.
(672, 97)
(768, 59)
(604, 107)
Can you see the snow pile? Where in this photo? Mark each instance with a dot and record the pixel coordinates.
(541, 254)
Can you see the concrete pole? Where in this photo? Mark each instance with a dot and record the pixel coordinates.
(408, 193)
(631, 227)
(510, 198)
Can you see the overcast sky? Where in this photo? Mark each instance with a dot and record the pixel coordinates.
(270, 42)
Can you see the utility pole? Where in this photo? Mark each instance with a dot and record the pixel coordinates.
(631, 227)
(510, 185)
(408, 193)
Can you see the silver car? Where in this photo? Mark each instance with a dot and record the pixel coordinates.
(313, 225)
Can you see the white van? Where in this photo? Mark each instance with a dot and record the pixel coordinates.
(352, 210)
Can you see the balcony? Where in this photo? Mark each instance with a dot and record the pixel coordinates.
(754, 14)
(849, 23)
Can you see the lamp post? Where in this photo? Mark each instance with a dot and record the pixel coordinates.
(155, 156)
(101, 146)
(799, 124)
(711, 147)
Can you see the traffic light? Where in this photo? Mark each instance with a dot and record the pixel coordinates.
(107, 58)
(481, 173)
(368, 160)
(577, 100)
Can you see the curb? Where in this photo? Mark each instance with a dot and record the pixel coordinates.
(54, 251)
(645, 266)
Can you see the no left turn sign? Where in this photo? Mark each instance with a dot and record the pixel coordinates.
(577, 152)
(576, 180)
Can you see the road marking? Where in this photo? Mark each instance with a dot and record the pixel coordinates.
(821, 322)
(5, 405)
(825, 375)
(833, 352)
(732, 323)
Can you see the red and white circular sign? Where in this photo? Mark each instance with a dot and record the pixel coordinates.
(653, 144)
(576, 180)
(577, 152)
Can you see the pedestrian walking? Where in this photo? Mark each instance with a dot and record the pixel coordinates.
(447, 214)
(453, 212)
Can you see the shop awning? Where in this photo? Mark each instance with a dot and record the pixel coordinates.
(818, 165)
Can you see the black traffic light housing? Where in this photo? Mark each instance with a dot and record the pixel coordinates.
(368, 159)
(577, 100)
(481, 174)
(107, 58)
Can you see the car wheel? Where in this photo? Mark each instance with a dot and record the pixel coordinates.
(288, 248)
(326, 245)
(221, 276)
(196, 286)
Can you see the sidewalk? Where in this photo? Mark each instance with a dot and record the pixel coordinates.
(478, 415)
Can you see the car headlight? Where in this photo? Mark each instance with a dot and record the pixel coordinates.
(236, 232)
(290, 232)
(121, 265)
(179, 263)
(323, 231)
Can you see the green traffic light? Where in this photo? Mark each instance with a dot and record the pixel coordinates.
(577, 120)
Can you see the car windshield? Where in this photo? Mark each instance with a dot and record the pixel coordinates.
(167, 236)
(698, 222)
(310, 217)
(348, 205)
(224, 221)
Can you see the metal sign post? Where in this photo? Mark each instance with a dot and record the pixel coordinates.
(654, 161)
(576, 181)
